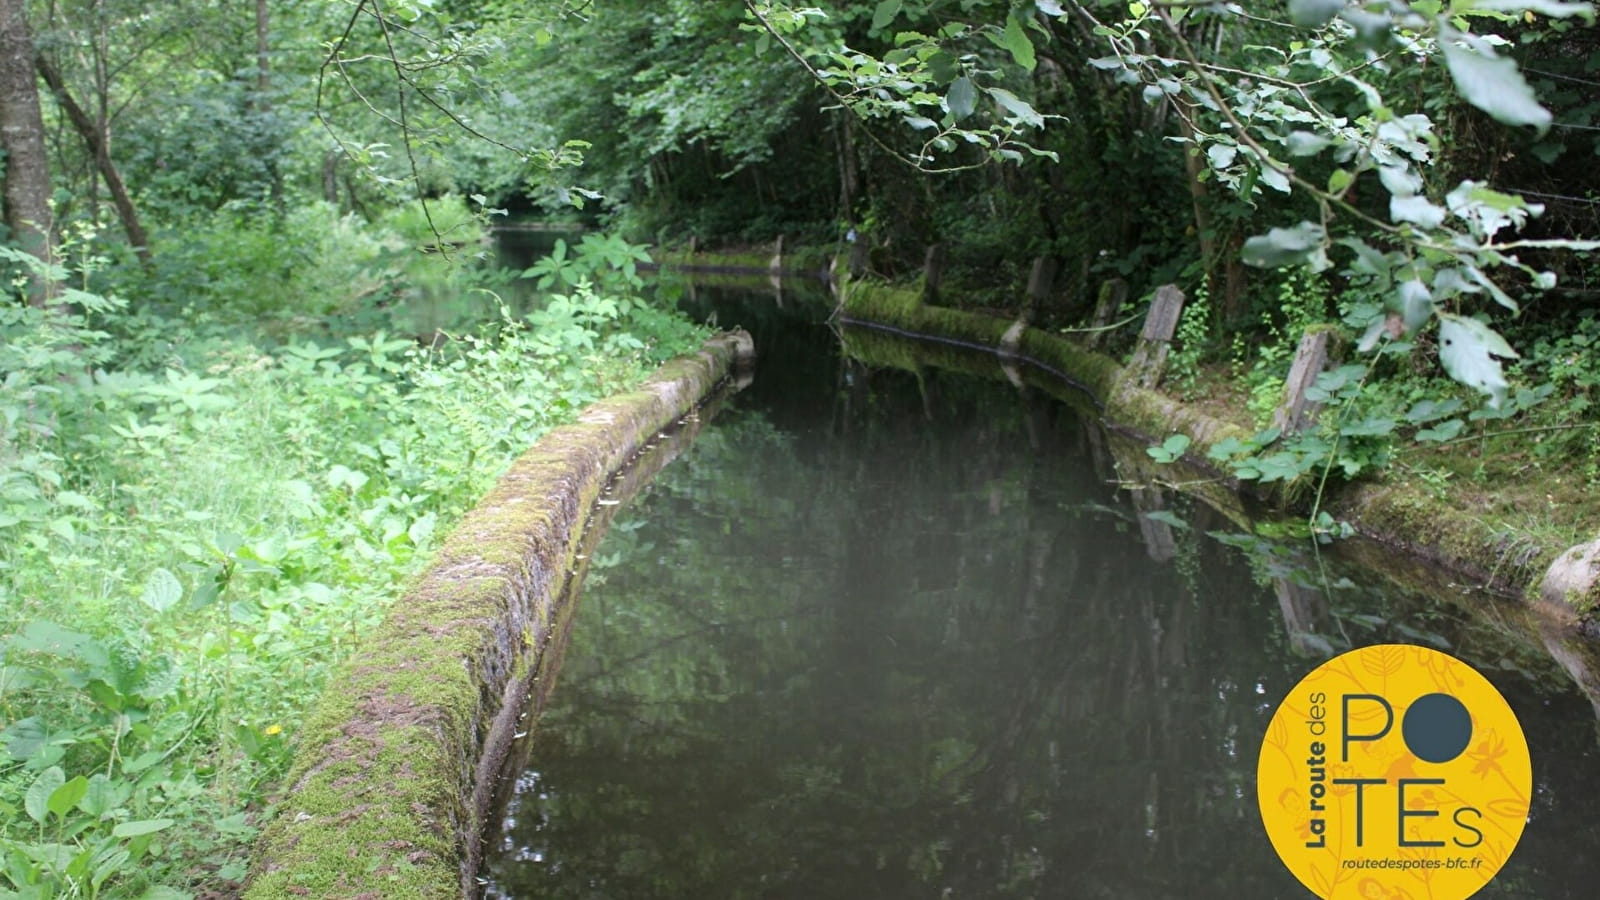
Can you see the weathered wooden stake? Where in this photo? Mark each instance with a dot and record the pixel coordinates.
(1040, 280)
(1113, 294)
(776, 265)
(858, 256)
(1297, 411)
(932, 272)
(693, 241)
(1155, 342)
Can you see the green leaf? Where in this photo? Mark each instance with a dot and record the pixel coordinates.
(1491, 82)
(884, 14)
(162, 591)
(1168, 518)
(144, 826)
(1170, 450)
(65, 797)
(25, 738)
(1314, 13)
(102, 796)
(1284, 246)
(1016, 41)
(1017, 107)
(1467, 349)
(37, 800)
(1306, 143)
(1417, 210)
(963, 98)
(1443, 431)
(1416, 303)
(944, 66)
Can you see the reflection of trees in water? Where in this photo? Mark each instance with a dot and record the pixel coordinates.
(901, 655)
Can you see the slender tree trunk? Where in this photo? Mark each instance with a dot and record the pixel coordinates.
(95, 140)
(264, 104)
(27, 168)
(263, 64)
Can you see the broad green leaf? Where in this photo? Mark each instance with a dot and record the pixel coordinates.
(1416, 303)
(1017, 107)
(65, 797)
(921, 123)
(25, 737)
(1314, 13)
(884, 14)
(1275, 179)
(1467, 349)
(103, 795)
(1400, 181)
(1443, 431)
(963, 98)
(1168, 518)
(1491, 82)
(944, 66)
(1417, 210)
(37, 799)
(48, 637)
(1016, 41)
(144, 826)
(162, 591)
(1306, 143)
(1284, 246)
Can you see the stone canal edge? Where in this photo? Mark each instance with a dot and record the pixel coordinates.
(393, 772)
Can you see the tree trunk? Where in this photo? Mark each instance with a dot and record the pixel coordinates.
(27, 169)
(264, 105)
(263, 66)
(94, 139)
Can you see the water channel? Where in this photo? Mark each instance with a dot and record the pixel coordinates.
(899, 634)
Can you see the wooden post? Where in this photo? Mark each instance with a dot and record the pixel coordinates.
(858, 256)
(1040, 280)
(932, 272)
(693, 240)
(1297, 411)
(1150, 355)
(776, 265)
(1112, 295)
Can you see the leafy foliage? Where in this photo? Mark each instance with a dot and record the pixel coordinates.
(190, 546)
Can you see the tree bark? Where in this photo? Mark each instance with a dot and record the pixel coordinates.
(263, 104)
(27, 168)
(94, 139)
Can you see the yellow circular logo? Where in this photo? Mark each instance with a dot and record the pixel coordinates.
(1394, 771)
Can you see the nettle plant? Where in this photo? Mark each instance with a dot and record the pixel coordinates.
(1324, 102)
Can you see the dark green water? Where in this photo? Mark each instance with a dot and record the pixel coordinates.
(881, 635)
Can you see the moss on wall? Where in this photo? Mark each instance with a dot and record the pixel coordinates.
(386, 797)
(1390, 513)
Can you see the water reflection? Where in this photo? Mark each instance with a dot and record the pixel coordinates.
(894, 634)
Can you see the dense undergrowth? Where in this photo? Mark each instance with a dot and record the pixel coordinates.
(202, 512)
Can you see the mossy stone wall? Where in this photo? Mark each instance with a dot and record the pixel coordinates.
(392, 772)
